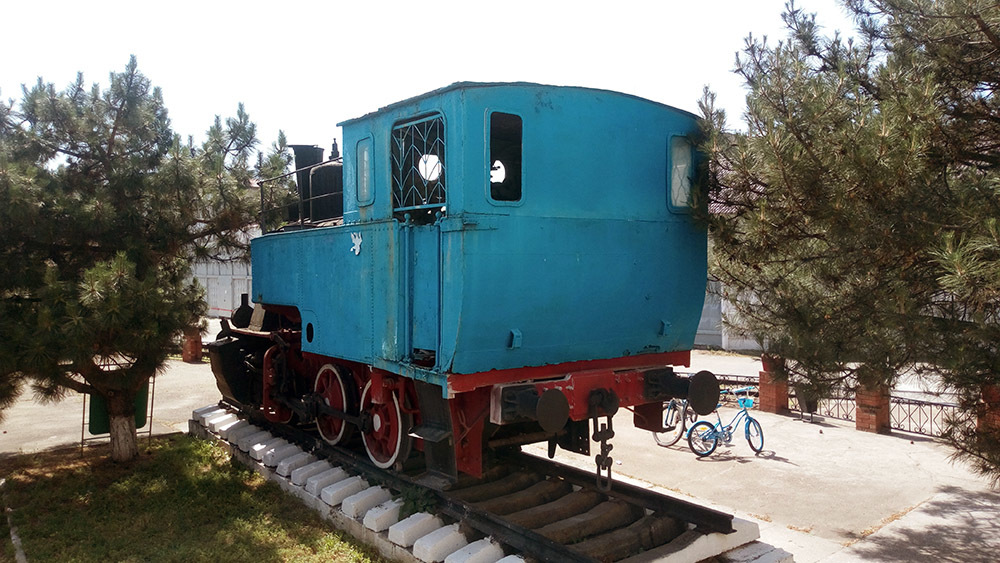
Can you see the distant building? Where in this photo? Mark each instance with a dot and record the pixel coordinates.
(712, 333)
(224, 282)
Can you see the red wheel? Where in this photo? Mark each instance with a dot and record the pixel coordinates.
(388, 441)
(330, 386)
(273, 410)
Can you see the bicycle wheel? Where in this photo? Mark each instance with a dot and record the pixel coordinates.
(755, 435)
(674, 420)
(702, 439)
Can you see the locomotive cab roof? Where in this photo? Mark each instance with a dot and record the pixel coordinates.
(517, 148)
(469, 85)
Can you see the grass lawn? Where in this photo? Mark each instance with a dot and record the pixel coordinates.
(183, 500)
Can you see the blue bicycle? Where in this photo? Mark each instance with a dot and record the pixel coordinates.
(704, 436)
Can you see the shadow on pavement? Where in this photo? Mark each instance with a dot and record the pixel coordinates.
(772, 456)
(913, 437)
(955, 525)
(766, 455)
(821, 424)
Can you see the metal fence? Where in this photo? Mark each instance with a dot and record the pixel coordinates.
(732, 382)
(921, 417)
(841, 408)
(929, 418)
(737, 381)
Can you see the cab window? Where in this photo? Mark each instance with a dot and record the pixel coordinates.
(418, 169)
(505, 157)
(681, 173)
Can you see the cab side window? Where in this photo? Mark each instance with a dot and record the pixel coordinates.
(505, 157)
(681, 173)
(364, 170)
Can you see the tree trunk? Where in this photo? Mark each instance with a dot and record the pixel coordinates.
(121, 415)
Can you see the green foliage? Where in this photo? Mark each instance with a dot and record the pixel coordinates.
(278, 189)
(102, 209)
(857, 214)
(417, 499)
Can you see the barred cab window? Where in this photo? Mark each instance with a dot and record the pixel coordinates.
(418, 169)
(505, 157)
(681, 173)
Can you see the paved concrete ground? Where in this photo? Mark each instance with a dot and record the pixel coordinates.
(822, 491)
(30, 426)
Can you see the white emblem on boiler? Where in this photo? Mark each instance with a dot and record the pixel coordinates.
(356, 239)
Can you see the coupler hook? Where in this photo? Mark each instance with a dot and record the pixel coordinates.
(604, 461)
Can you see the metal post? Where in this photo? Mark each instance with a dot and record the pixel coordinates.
(83, 422)
(149, 415)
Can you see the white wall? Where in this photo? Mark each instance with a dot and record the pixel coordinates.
(712, 332)
(224, 282)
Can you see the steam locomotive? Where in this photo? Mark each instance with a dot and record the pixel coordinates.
(487, 266)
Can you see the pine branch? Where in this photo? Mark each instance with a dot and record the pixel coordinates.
(70, 383)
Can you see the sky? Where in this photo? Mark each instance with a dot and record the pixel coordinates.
(304, 66)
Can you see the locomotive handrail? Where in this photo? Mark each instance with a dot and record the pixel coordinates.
(259, 183)
(418, 207)
(303, 169)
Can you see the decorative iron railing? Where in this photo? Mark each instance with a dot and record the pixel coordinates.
(841, 408)
(736, 381)
(921, 417)
(928, 418)
(731, 382)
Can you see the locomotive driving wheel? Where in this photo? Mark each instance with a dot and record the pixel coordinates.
(388, 440)
(330, 386)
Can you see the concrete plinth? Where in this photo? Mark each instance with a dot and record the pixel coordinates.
(361, 502)
(337, 492)
(406, 532)
(439, 544)
(302, 474)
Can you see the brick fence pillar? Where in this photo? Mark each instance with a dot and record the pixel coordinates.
(872, 412)
(988, 417)
(191, 348)
(773, 394)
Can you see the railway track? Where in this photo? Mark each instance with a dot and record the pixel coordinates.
(524, 509)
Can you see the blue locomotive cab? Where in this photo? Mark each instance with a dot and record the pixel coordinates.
(500, 226)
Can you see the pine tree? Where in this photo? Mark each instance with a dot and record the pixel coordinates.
(957, 45)
(102, 209)
(856, 216)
